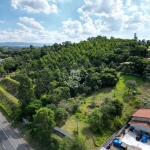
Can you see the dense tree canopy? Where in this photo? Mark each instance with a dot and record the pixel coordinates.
(51, 77)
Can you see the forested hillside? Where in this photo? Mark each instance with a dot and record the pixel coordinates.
(51, 79)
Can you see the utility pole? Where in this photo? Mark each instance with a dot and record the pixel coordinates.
(135, 37)
(77, 125)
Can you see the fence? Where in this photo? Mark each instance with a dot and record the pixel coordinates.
(109, 141)
(117, 133)
(63, 133)
(147, 77)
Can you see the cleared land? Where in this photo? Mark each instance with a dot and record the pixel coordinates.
(119, 92)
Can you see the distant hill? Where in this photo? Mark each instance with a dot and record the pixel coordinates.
(22, 44)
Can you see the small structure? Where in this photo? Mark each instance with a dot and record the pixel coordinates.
(56, 129)
(126, 63)
(25, 121)
(144, 139)
(124, 145)
(133, 144)
(141, 120)
(134, 92)
(117, 143)
(133, 148)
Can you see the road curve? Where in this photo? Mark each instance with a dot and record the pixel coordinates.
(9, 138)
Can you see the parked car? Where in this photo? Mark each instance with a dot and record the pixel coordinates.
(138, 137)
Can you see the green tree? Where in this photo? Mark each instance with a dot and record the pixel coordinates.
(26, 92)
(2, 71)
(131, 85)
(76, 144)
(61, 115)
(95, 121)
(118, 107)
(32, 107)
(44, 120)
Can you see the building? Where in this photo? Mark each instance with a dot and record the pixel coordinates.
(141, 120)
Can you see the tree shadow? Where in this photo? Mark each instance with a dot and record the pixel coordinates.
(86, 131)
(23, 147)
(127, 96)
(8, 133)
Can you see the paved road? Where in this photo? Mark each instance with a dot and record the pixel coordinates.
(5, 143)
(10, 139)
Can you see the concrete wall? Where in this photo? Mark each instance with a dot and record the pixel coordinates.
(141, 119)
(140, 127)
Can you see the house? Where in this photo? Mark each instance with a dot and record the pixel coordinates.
(141, 120)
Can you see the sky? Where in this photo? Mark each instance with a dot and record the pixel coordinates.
(57, 21)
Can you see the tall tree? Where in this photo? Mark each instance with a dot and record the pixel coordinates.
(44, 120)
(76, 144)
(26, 93)
(32, 107)
(131, 85)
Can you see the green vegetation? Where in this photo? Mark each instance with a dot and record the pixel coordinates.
(120, 92)
(10, 85)
(77, 87)
(8, 102)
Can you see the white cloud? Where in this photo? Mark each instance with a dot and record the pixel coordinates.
(102, 7)
(89, 28)
(72, 28)
(57, 1)
(128, 2)
(16, 35)
(139, 17)
(2, 21)
(137, 21)
(31, 21)
(133, 8)
(31, 32)
(22, 35)
(24, 28)
(111, 12)
(35, 6)
(97, 17)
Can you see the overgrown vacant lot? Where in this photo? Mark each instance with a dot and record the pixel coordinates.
(92, 102)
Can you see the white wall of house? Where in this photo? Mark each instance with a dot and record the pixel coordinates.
(141, 119)
(141, 127)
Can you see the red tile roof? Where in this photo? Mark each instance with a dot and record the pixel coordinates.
(142, 113)
(140, 123)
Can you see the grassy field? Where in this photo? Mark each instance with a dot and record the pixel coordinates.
(7, 101)
(10, 85)
(119, 92)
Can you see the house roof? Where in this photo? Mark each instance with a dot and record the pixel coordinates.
(142, 113)
(143, 123)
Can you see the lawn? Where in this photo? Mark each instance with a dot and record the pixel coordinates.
(118, 92)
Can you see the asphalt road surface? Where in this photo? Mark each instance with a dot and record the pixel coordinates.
(10, 139)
